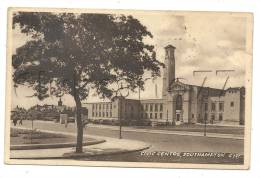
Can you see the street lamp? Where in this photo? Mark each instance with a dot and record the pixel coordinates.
(120, 105)
(205, 126)
(205, 118)
(120, 119)
(202, 99)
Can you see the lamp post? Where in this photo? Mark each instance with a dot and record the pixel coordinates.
(120, 105)
(205, 119)
(205, 126)
(120, 117)
(199, 93)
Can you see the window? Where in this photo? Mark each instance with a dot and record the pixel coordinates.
(160, 115)
(161, 107)
(142, 107)
(106, 114)
(151, 107)
(178, 117)
(107, 106)
(155, 115)
(111, 113)
(146, 107)
(103, 114)
(206, 116)
(156, 107)
(206, 106)
(146, 115)
(99, 106)
(192, 116)
(232, 104)
(221, 106)
(93, 106)
(212, 116)
(220, 117)
(93, 114)
(213, 106)
(99, 114)
(141, 115)
(151, 115)
(96, 114)
(110, 106)
(179, 102)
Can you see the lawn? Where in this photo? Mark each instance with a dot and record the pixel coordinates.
(25, 136)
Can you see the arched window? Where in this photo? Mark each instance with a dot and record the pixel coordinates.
(179, 102)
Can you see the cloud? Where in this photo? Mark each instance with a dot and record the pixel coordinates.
(203, 41)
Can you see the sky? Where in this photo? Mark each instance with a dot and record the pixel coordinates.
(203, 42)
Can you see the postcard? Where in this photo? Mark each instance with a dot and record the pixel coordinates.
(128, 88)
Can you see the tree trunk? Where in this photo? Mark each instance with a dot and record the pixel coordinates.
(79, 125)
(78, 115)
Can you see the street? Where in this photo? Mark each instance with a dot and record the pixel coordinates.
(158, 142)
(177, 143)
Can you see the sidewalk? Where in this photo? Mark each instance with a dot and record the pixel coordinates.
(158, 131)
(168, 132)
(111, 146)
(225, 125)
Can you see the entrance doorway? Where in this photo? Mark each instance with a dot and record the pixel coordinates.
(178, 117)
(178, 109)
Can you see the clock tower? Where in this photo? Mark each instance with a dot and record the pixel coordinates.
(169, 70)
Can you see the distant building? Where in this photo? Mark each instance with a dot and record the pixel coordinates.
(180, 103)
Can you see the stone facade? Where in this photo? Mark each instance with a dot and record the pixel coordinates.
(180, 103)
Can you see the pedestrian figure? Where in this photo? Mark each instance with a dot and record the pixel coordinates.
(21, 121)
(14, 122)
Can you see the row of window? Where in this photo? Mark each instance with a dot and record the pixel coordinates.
(151, 115)
(232, 91)
(152, 107)
(102, 106)
(213, 106)
(143, 115)
(144, 107)
(101, 114)
(212, 116)
(220, 106)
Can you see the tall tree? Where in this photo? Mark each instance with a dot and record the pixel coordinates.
(74, 53)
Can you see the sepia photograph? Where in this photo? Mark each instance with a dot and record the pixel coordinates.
(128, 88)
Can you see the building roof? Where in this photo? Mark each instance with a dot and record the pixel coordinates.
(169, 46)
(214, 91)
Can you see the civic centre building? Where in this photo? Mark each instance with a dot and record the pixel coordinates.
(180, 103)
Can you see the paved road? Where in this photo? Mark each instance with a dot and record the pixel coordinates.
(178, 143)
(158, 130)
(159, 142)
